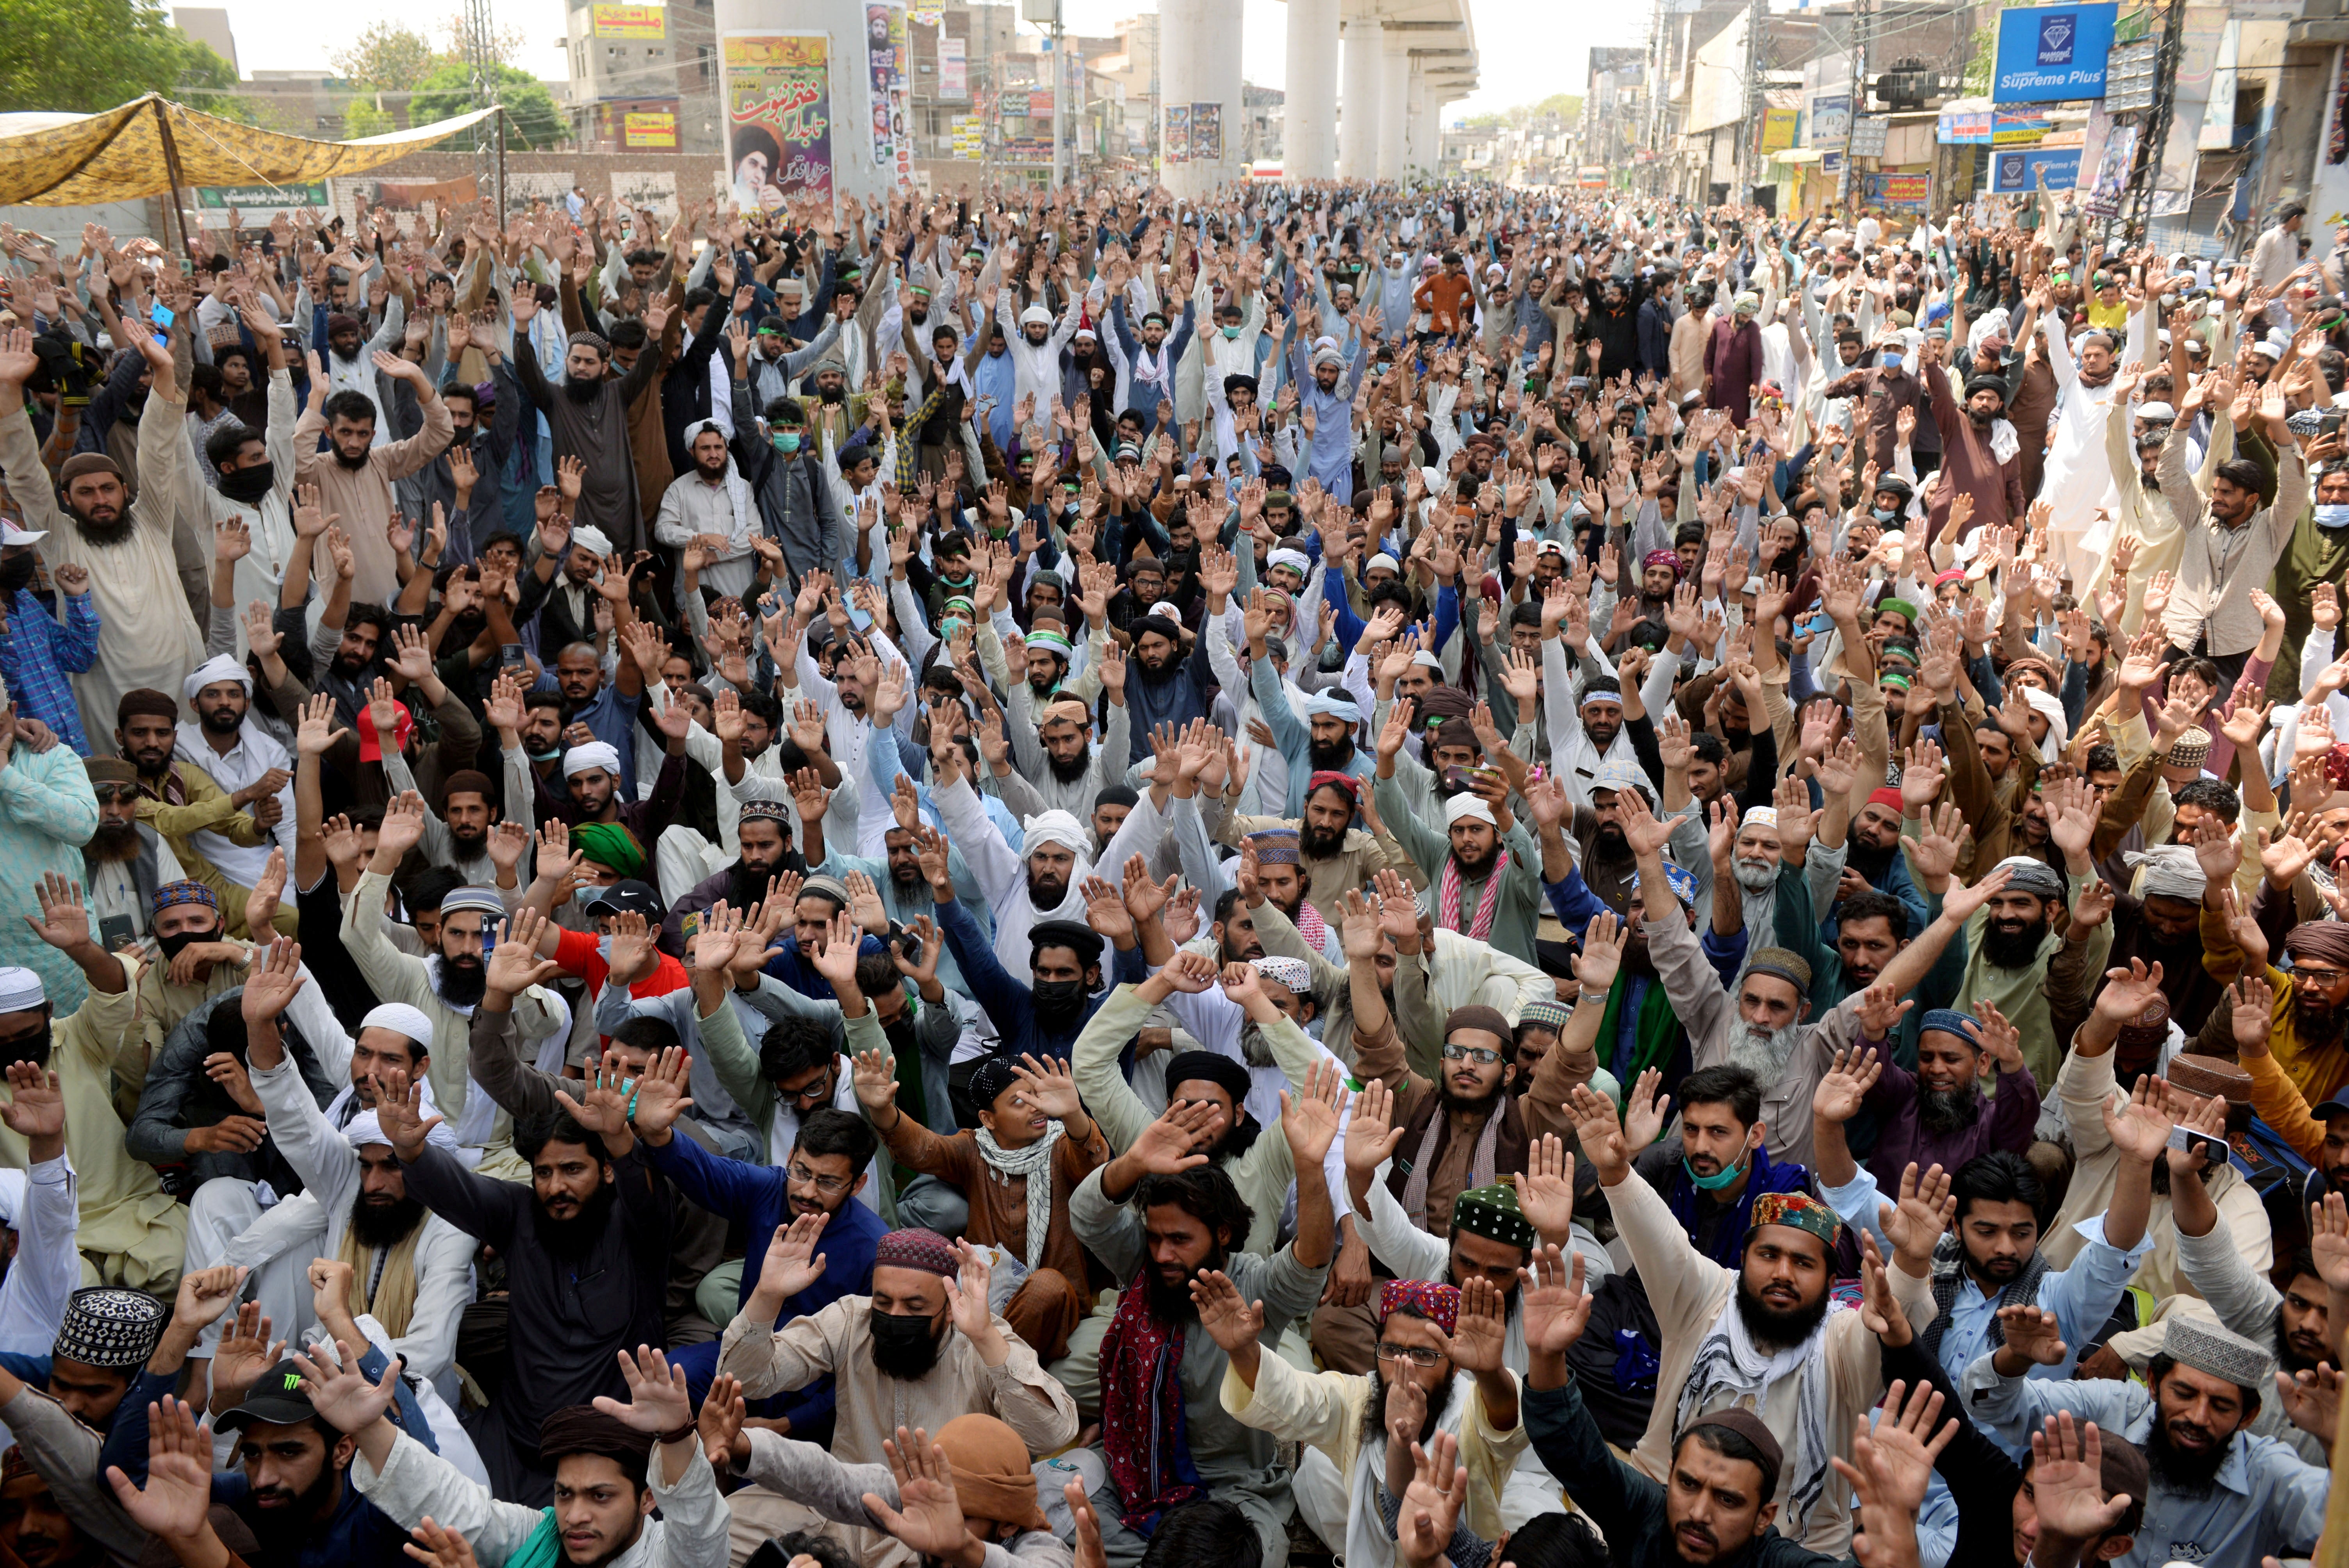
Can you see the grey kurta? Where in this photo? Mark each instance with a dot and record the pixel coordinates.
(596, 433)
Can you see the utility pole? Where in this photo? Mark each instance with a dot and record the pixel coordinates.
(1854, 100)
(1749, 162)
(2146, 178)
(1059, 82)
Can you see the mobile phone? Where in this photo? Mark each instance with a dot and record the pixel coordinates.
(2212, 1150)
(2330, 423)
(161, 316)
(511, 656)
(116, 933)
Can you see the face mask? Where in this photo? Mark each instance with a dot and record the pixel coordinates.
(787, 441)
(175, 945)
(547, 756)
(32, 1048)
(899, 1331)
(2333, 516)
(1891, 362)
(1882, 513)
(1058, 998)
(249, 485)
(17, 570)
(1713, 1183)
(1231, 331)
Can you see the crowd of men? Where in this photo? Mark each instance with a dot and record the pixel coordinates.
(1424, 875)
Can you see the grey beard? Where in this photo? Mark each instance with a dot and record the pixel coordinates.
(1755, 875)
(1255, 1049)
(1763, 1052)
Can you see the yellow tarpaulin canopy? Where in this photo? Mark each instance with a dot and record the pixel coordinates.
(143, 147)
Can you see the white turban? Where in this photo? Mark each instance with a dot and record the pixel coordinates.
(213, 671)
(595, 754)
(11, 1197)
(20, 991)
(1471, 807)
(2171, 870)
(1297, 560)
(365, 1129)
(2048, 707)
(1054, 828)
(402, 1019)
(592, 539)
(1035, 315)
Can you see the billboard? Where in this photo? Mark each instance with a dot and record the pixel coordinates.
(778, 115)
(1177, 146)
(1778, 128)
(645, 123)
(261, 197)
(954, 69)
(631, 24)
(1830, 120)
(2015, 171)
(2047, 53)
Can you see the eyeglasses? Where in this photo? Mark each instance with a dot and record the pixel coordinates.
(817, 1091)
(1484, 1057)
(1417, 1355)
(116, 791)
(2319, 976)
(827, 1185)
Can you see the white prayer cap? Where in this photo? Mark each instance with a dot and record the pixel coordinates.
(1471, 807)
(364, 1129)
(411, 1023)
(591, 539)
(1054, 828)
(1381, 559)
(21, 992)
(1759, 816)
(595, 754)
(1427, 659)
(11, 534)
(212, 672)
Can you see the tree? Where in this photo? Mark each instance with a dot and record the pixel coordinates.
(389, 56)
(363, 117)
(84, 55)
(505, 43)
(449, 92)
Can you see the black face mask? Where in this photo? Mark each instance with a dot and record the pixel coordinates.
(1058, 1000)
(180, 941)
(32, 1048)
(249, 485)
(17, 571)
(903, 1347)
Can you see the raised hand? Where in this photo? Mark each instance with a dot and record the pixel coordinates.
(340, 1392)
(657, 1400)
(1231, 1320)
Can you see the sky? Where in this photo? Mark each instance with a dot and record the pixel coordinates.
(301, 34)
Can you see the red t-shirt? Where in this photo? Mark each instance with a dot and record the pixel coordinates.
(579, 952)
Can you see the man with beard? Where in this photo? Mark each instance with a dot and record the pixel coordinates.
(181, 801)
(1044, 1015)
(609, 1466)
(1765, 1028)
(1165, 687)
(763, 852)
(712, 506)
(1586, 731)
(445, 987)
(126, 860)
(920, 1350)
(586, 1249)
(1939, 1115)
(412, 1271)
(356, 472)
(1758, 1336)
(121, 538)
(1324, 743)
(1042, 881)
(1439, 1368)
(2218, 1492)
(1484, 871)
(1982, 456)
(589, 416)
(1332, 854)
(2160, 924)
(2309, 1042)
(2011, 939)
(1057, 757)
(239, 755)
(38, 1529)
(1159, 1222)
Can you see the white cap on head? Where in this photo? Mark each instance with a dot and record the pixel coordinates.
(213, 672)
(409, 1023)
(11, 534)
(1471, 807)
(593, 540)
(21, 991)
(595, 754)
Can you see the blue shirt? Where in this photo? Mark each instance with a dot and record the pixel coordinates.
(38, 653)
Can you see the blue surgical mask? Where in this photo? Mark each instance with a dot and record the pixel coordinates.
(1882, 514)
(1713, 1183)
(1890, 362)
(787, 441)
(2333, 516)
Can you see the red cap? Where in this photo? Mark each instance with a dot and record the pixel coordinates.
(370, 751)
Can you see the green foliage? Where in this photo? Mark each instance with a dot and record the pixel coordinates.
(1981, 63)
(389, 54)
(448, 91)
(1566, 107)
(84, 55)
(362, 118)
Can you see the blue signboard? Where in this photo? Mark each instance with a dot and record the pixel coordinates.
(2048, 54)
(2014, 171)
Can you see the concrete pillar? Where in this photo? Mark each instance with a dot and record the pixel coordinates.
(1358, 132)
(753, 30)
(1394, 110)
(1310, 114)
(1201, 65)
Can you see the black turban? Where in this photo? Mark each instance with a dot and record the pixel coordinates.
(585, 1429)
(1210, 1066)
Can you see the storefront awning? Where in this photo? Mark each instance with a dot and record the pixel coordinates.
(146, 146)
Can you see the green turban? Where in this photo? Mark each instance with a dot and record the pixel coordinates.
(610, 844)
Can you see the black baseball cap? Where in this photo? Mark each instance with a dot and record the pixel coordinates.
(276, 1399)
(625, 897)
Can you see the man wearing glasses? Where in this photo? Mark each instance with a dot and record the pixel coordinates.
(125, 860)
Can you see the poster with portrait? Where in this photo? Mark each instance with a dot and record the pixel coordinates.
(887, 73)
(778, 89)
(1176, 147)
(1207, 133)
